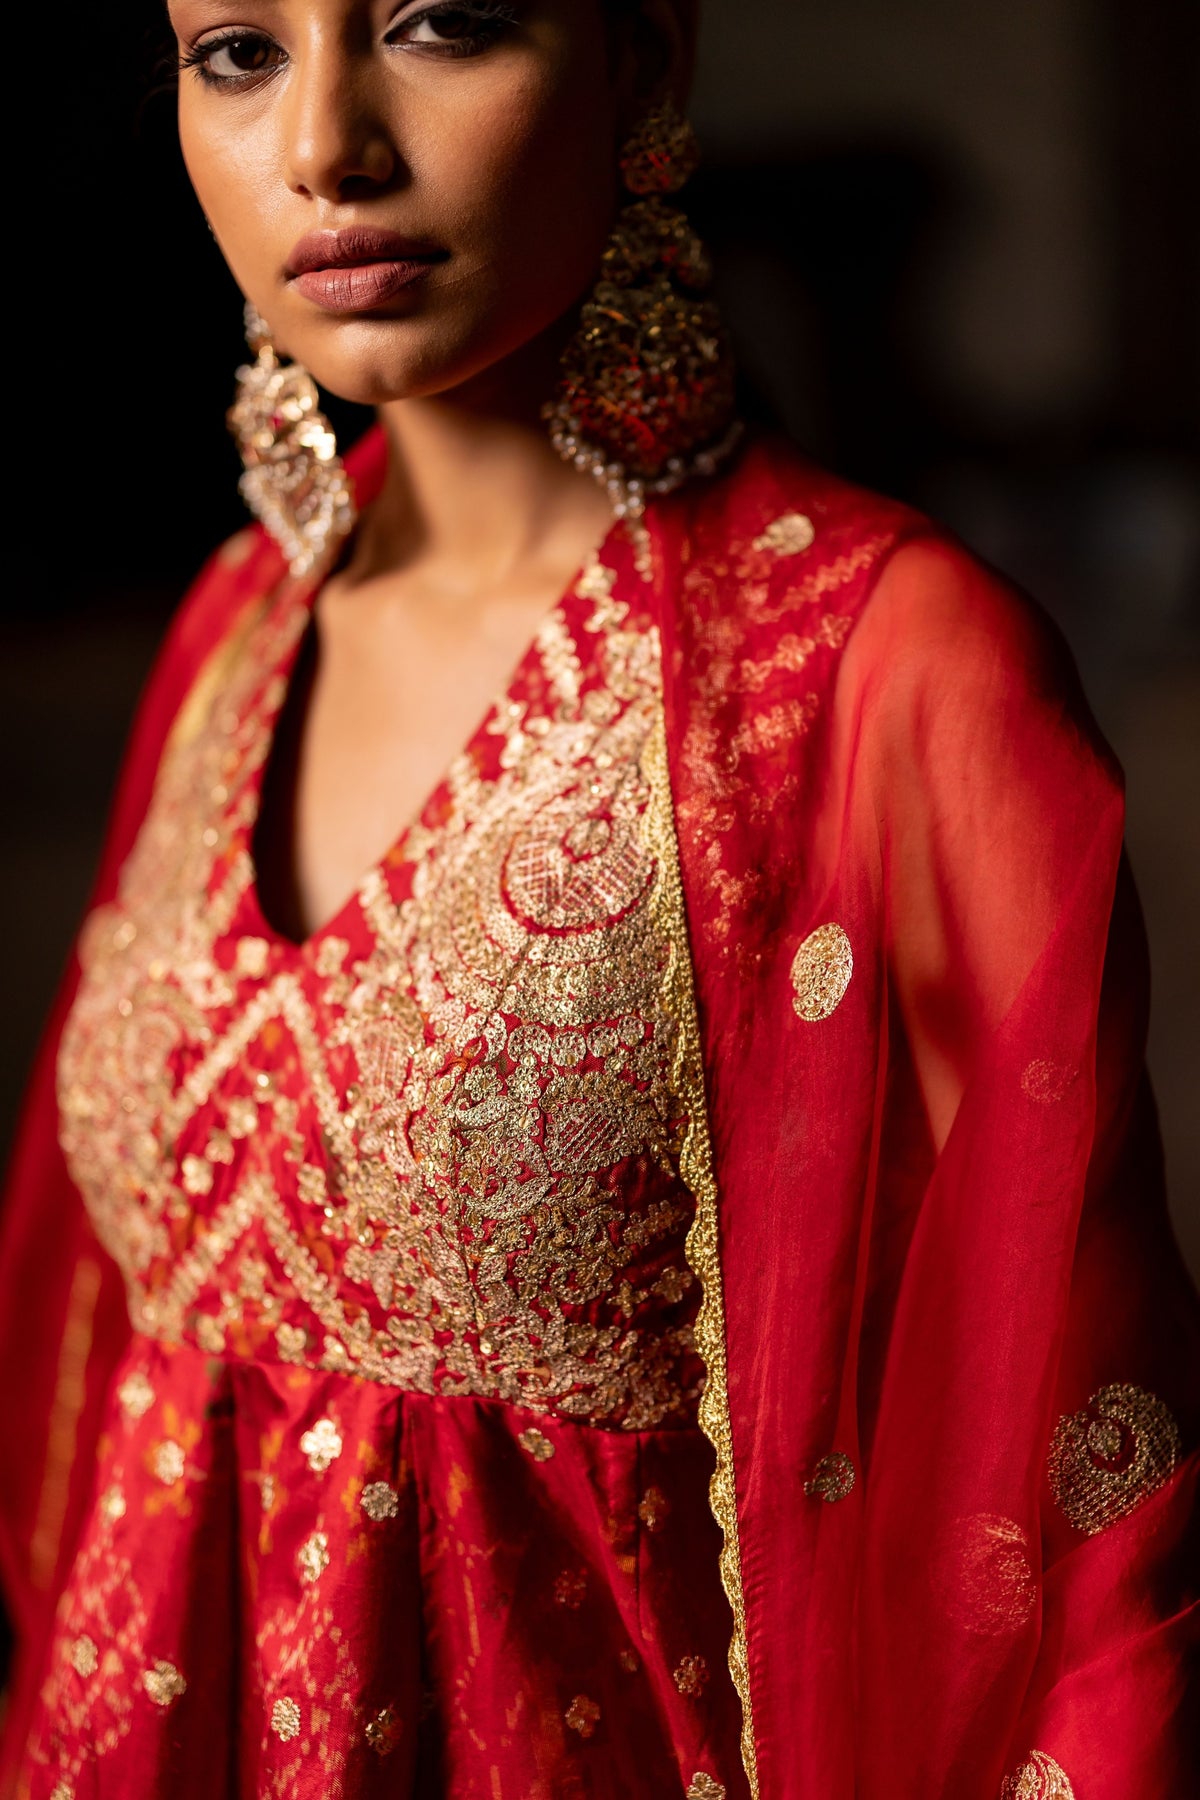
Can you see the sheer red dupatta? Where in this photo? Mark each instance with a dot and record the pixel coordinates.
(937, 1199)
(63, 1321)
(950, 1289)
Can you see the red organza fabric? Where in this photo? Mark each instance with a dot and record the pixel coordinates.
(950, 1350)
(400, 1489)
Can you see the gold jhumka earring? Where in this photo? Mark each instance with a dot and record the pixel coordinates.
(646, 389)
(293, 480)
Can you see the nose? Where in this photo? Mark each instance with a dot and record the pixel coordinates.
(338, 141)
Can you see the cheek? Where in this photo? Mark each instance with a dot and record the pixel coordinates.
(233, 174)
(533, 189)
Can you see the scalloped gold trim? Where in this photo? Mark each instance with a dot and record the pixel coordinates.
(703, 1240)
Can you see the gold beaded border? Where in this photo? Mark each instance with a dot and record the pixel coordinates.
(703, 1239)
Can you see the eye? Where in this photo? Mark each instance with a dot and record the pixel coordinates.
(238, 56)
(454, 27)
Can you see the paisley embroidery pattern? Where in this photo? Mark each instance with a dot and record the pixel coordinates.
(1038, 1778)
(832, 1477)
(821, 971)
(1113, 1454)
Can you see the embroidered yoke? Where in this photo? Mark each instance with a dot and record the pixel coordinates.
(401, 1491)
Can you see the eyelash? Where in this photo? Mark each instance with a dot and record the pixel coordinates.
(490, 17)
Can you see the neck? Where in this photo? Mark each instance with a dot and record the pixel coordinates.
(473, 484)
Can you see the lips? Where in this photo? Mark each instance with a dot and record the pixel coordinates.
(357, 268)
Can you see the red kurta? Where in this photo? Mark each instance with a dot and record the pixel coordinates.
(383, 1251)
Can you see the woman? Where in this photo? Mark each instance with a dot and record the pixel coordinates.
(660, 1286)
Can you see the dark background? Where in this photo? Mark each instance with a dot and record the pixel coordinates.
(957, 242)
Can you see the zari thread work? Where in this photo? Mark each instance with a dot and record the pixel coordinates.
(478, 1188)
(703, 1240)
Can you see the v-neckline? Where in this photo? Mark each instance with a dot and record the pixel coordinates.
(282, 675)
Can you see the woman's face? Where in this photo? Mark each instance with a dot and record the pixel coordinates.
(408, 190)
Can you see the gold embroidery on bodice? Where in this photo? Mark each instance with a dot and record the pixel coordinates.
(438, 1144)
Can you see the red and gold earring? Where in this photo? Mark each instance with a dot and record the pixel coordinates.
(646, 385)
(293, 479)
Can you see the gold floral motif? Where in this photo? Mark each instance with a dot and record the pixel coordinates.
(583, 1715)
(250, 957)
(653, 1509)
(291, 1341)
(84, 1657)
(197, 1175)
(62, 1790)
(536, 1443)
(112, 1505)
(1038, 1778)
(310, 1185)
(832, 1477)
(164, 1683)
(570, 1588)
(1109, 1457)
(241, 1116)
(787, 535)
(210, 1334)
(331, 957)
(313, 1557)
(821, 971)
(169, 1462)
(690, 1676)
(285, 1719)
(628, 1660)
(383, 1731)
(103, 1603)
(135, 1396)
(703, 1787)
(380, 1501)
(220, 1147)
(321, 1445)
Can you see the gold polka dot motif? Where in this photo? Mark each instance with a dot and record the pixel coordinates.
(1107, 1458)
(821, 971)
(788, 535)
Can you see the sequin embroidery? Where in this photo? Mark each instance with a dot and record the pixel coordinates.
(1109, 1457)
(488, 1073)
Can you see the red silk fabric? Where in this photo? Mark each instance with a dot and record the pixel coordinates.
(959, 1400)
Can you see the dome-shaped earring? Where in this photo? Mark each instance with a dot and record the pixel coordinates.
(646, 385)
(293, 481)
